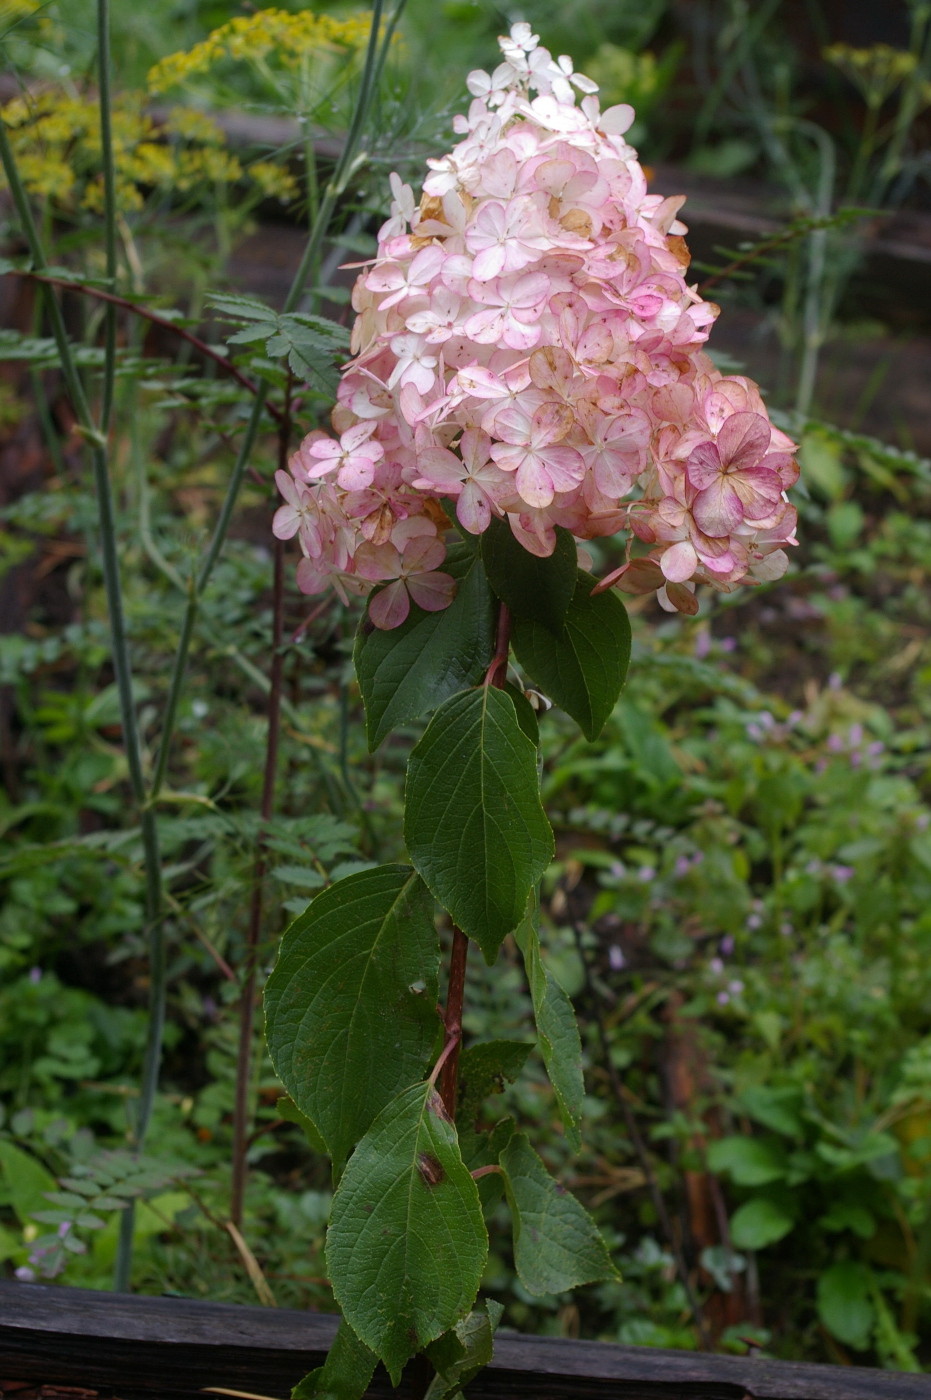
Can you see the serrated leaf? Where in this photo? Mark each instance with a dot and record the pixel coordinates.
(315, 330)
(415, 667)
(534, 589)
(241, 308)
(407, 1245)
(485, 1069)
(83, 1187)
(473, 822)
(460, 1354)
(346, 1026)
(557, 1030)
(345, 1374)
(582, 668)
(249, 335)
(66, 1198)
(288, 1110)
(557, 1245)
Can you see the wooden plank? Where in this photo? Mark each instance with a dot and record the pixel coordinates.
(141, 1346)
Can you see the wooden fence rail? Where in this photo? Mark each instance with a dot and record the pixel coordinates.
(139, 1348)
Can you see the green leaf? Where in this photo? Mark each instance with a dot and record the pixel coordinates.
(776, 1109)
(460, 1354)
(845, 1215)
(557, 1030)
(583, 668)
(24, 1181)
(526, 714)
(345, 1374)
(845, 1303)
(760, 1222)
(433, 655)
(557, 1245)
(473, 822)
(237, 308)
(351, 1005)
(485, 1069)
(407, 1245)
(535, 590)
(749, 1161)
(289, 1111)
(481, 1149)
(304, 876)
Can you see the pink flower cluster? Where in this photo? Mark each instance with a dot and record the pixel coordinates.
(526, 346)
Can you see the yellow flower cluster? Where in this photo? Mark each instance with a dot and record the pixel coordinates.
(254, 37)
(56, 139)
(13, 10)
(876, 71)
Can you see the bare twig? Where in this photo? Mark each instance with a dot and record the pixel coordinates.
(162, 321)
(253, 1267)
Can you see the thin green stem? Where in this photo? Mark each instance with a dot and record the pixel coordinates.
(104, 83)
(817, 302)
(123, 670)
(341, 176)
(909, 103)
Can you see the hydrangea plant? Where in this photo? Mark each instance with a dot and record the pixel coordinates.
(528, 373)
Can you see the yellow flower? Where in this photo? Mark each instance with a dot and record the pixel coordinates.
(191, 125)
(291, 37)
(56, 139)
(273, 180)
(875, 71)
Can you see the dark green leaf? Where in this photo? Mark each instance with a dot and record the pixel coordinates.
(351, 1005)
(474, 824)
(345, 1374)
(433, 655)
(845, 1303)
(557, 1245)
(583, 668)
(485, 1069)
(526, 714)
(407, 1244)
(461, 1353)
(480, 1149)
(557, 1030)
(535, 590)
(289, 1111)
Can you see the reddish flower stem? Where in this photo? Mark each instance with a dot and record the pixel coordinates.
(497, 672)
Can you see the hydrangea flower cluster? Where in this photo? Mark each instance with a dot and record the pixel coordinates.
(527, 347)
